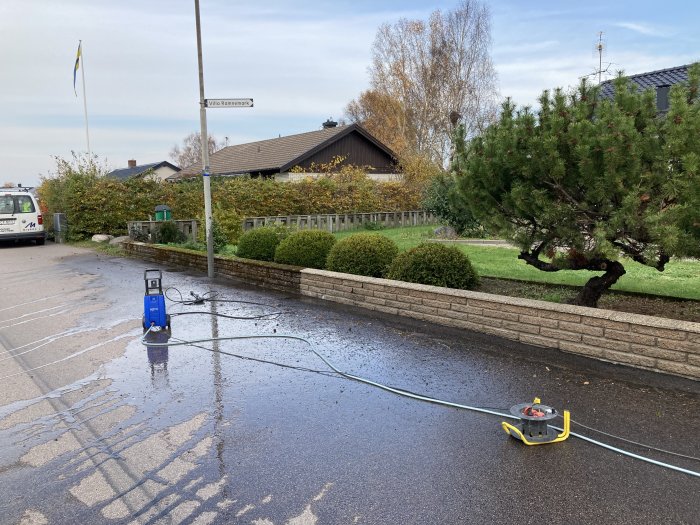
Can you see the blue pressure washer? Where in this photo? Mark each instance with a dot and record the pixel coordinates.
(154, 313)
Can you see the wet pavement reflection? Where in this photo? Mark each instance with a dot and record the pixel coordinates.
(261, 431)
(158, 357)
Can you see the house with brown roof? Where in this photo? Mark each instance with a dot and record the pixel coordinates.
(277, 158)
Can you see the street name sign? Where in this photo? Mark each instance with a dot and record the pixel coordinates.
(228, 102)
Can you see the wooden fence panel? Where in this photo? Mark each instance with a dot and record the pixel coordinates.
(345, 222)
(148, 228)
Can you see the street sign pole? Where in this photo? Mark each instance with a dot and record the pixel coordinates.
(206, 175)
(206, 178)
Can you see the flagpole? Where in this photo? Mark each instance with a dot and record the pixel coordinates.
(82, 74)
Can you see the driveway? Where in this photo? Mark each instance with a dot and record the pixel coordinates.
(97, 428)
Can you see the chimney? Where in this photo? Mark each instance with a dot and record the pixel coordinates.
(329, 123)
(132, 163)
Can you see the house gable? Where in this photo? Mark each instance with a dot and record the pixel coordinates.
(355, 147)
(275, 156)
(161, 170)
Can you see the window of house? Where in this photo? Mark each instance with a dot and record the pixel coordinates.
(662, 98)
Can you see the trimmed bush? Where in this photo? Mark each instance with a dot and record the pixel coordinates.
(261, 243)
(435, 264)
(308, 248)
(362, 254)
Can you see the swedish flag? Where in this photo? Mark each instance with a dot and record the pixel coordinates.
(77, 65)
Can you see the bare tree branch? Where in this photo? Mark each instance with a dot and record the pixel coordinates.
(430, 70)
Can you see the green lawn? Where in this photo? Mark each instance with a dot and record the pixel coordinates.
(681, 278)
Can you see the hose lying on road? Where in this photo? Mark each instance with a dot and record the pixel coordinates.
(412, 395)
(211, 297)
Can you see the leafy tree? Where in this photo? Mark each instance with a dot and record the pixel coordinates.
(71, 190)
(449, 205)
(424, 72)
(586, 180)
(418, 172)
(190, 152)
(383, 116)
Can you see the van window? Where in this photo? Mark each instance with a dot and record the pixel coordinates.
(25, 204)
(7, 204)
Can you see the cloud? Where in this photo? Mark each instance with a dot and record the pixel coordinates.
(646, 29)
(302, 61)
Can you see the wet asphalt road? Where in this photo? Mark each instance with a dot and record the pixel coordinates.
(95, 428)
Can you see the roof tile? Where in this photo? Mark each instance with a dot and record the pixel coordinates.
(652, 79)
(270, 154)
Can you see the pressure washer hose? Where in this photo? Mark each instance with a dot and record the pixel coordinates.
(419, 397)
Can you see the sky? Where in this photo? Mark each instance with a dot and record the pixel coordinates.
(301, 62)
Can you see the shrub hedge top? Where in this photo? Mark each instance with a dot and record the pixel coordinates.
(97, 204)
(308, 248)
(260, 243)
(367, 254)
(434, 264)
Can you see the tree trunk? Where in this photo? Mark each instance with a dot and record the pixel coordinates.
(594, 288)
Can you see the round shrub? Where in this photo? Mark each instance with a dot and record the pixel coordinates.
(435, 264)
(362, 254)
(260, 243)
(308, 248)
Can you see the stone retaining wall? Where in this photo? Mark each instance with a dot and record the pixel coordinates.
(270, 275)
(652, 343)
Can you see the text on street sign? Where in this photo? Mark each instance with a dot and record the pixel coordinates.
(228, 102)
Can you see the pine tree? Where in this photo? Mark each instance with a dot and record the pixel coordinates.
(586, 181)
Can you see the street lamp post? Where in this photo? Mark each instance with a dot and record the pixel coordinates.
(206, 179)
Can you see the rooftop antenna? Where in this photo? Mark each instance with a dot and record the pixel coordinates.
(600, 46)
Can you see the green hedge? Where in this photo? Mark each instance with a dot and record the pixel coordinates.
(94, 203)
(434, 264)
(367, 254)
(308, 248)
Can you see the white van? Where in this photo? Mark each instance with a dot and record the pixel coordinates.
(20, 216)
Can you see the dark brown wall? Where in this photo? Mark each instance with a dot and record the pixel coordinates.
(358, 151)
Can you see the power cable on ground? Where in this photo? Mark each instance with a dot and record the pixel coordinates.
(418, 396)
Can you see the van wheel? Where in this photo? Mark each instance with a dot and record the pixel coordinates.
(40, 242)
